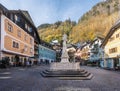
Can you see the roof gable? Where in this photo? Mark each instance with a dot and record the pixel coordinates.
(110, 33)
(3, 8)
(27, 15)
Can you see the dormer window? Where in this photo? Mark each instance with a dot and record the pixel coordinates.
(11, 17)
(26, 26)
(17, 18)
(30, 29)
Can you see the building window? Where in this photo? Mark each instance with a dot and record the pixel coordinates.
(25, 48)
(19, 33)
(26, 26)
(31, 41)
(11, 17)
(15, 44)
(25, 37)
(17, 18)
(117, 35)
(31, 50)
(10, 27)
(30, 29)
(113, 50)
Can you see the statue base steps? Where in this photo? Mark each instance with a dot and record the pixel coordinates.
(67, 74)
(66, 71)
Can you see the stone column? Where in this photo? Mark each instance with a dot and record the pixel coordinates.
(64, 57)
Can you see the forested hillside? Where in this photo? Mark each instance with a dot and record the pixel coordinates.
(49, 32)
(97, 21)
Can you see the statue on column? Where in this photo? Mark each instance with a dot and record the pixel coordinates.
(64, 57)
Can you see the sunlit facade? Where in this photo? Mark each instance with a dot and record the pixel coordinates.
(111, 46)
(17, 35)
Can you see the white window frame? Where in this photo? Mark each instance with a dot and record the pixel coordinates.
(25, 37)
(15, 44)
(31, 41)
(10, 27)
(25, 48)
(19, 33)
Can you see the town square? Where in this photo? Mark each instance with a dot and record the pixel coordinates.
(29, 79)
(60, 45)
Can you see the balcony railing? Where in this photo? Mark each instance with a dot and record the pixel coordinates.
(94, 50)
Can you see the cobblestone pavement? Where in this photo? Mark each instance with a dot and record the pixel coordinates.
(29, 79)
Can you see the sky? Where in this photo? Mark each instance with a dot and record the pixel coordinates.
(51, 11)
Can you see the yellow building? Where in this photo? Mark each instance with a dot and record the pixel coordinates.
(17, 35)
(111, 46)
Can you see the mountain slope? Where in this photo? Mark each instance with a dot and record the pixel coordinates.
(55, 31)
(96, 21)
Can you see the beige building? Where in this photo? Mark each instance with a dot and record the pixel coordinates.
(17, 35)
(85, 51)
(15, 40)
(111, 47)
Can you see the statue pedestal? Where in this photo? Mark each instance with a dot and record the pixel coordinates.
(65, 69)
(65, 66)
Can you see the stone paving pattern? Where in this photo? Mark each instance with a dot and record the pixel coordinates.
(29, 79)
